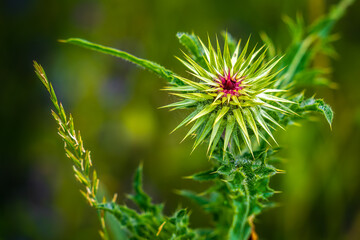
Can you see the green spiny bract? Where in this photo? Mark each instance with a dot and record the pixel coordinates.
(232, 93)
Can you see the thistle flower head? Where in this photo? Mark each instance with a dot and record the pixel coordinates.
(232, 95)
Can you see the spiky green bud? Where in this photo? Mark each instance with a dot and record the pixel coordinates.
(232, 95)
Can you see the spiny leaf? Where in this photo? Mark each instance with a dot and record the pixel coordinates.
(140, 197)
(317, 105)
(152, 66)
(191, 43)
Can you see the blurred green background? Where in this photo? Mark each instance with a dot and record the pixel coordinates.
(115, 105)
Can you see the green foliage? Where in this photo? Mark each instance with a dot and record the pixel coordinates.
(306, 43)
(149, 223)
(240, 192)
(236, 126)
(308, 105)
(74, 149)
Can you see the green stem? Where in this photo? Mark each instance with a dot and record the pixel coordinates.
(240, 228)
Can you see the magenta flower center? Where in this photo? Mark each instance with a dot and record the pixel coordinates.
(230, 84)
